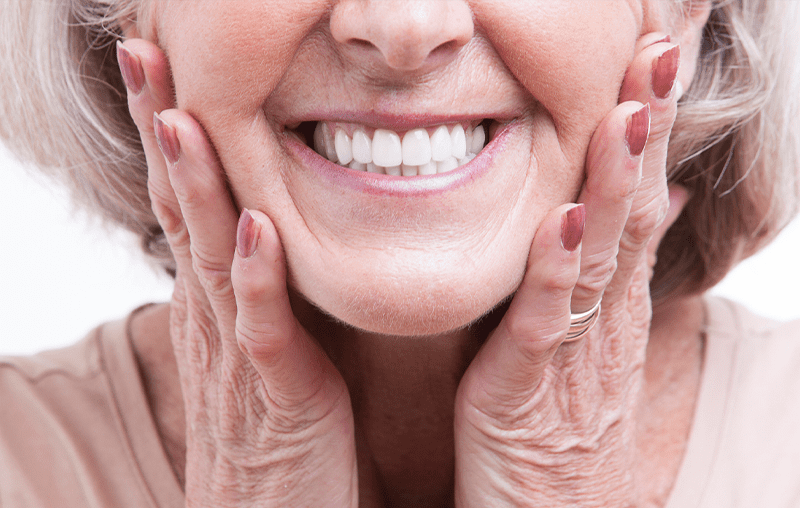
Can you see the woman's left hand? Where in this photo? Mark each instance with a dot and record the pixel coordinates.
(544, 422)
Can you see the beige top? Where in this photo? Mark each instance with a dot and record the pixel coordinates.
(76, 430)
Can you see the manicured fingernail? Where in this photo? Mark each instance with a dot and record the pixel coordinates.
(638, 131)
(246, 235)
(572, 225)
(131, 69)
(665, 71)
(167, 139)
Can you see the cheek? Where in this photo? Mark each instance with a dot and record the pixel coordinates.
(570, 54)
(229, 55)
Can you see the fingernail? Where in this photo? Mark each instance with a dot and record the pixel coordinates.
(638, 131)
(131, 69)
(665, 72)
(572, 225)
(246, 235)
(167, 139)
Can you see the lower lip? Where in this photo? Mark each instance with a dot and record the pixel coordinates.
(400, 186)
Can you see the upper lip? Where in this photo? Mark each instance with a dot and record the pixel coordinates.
(399, 122)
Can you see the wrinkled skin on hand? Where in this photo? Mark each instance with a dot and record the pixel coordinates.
(556, 421)
(538, 422)
(268, 416)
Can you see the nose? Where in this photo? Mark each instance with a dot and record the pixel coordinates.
(404, 35)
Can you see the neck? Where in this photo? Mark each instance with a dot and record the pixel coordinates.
(403, 392)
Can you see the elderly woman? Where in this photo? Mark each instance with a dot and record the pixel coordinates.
(426, 253)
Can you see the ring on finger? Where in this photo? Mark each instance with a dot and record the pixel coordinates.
(581, 323)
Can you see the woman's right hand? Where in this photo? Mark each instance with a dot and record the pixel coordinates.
(268, 416)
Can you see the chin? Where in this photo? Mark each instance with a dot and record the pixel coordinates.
(409, 302)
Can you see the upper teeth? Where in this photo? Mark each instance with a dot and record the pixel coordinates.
(417, 153)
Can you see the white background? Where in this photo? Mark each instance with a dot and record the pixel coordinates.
(61, 274)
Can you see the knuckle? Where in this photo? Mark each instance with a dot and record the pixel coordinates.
(249, 290)
(215, 277)
(252, 287)
(190, 196)
(259, 340)
(643, 222)
(539, 332)
(660, 127)
(662, 123)
(176, 232)
(195, 191)
(560, 284)
(597, 272)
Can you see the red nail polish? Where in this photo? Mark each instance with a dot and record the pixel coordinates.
(572, 226)
(131, 69)
(638, 131)
(665, 71)
(167, 139)
(246, 235)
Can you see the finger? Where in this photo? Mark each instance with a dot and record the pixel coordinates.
(650, 78)
(678, 197)
(294, 368)
(507, 369)
(145, 70)
(613, 173)
(206, 208)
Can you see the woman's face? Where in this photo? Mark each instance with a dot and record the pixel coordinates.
(403, 254)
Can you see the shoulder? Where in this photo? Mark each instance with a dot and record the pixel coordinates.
(734, 319)
(80, 360)
(63, 435)
(764, 352)
(750, 393)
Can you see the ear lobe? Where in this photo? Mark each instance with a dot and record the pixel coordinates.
(689, 32)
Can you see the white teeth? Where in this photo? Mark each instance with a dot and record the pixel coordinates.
(344, 147)
(409, 170)
(362, 147)
(393, 170)
(449, 164)
(459, 142)
(478, 140)
(416, 147)
(319, 142)
(441, 144)
(418, 153)
(428, 169)
(323, 142)
(387, 150)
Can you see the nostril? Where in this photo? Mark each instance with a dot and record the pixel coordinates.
(361, 43)
(446, 47)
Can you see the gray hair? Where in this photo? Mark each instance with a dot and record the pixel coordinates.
(735, 145)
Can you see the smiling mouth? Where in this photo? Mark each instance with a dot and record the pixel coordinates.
(416, 152)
